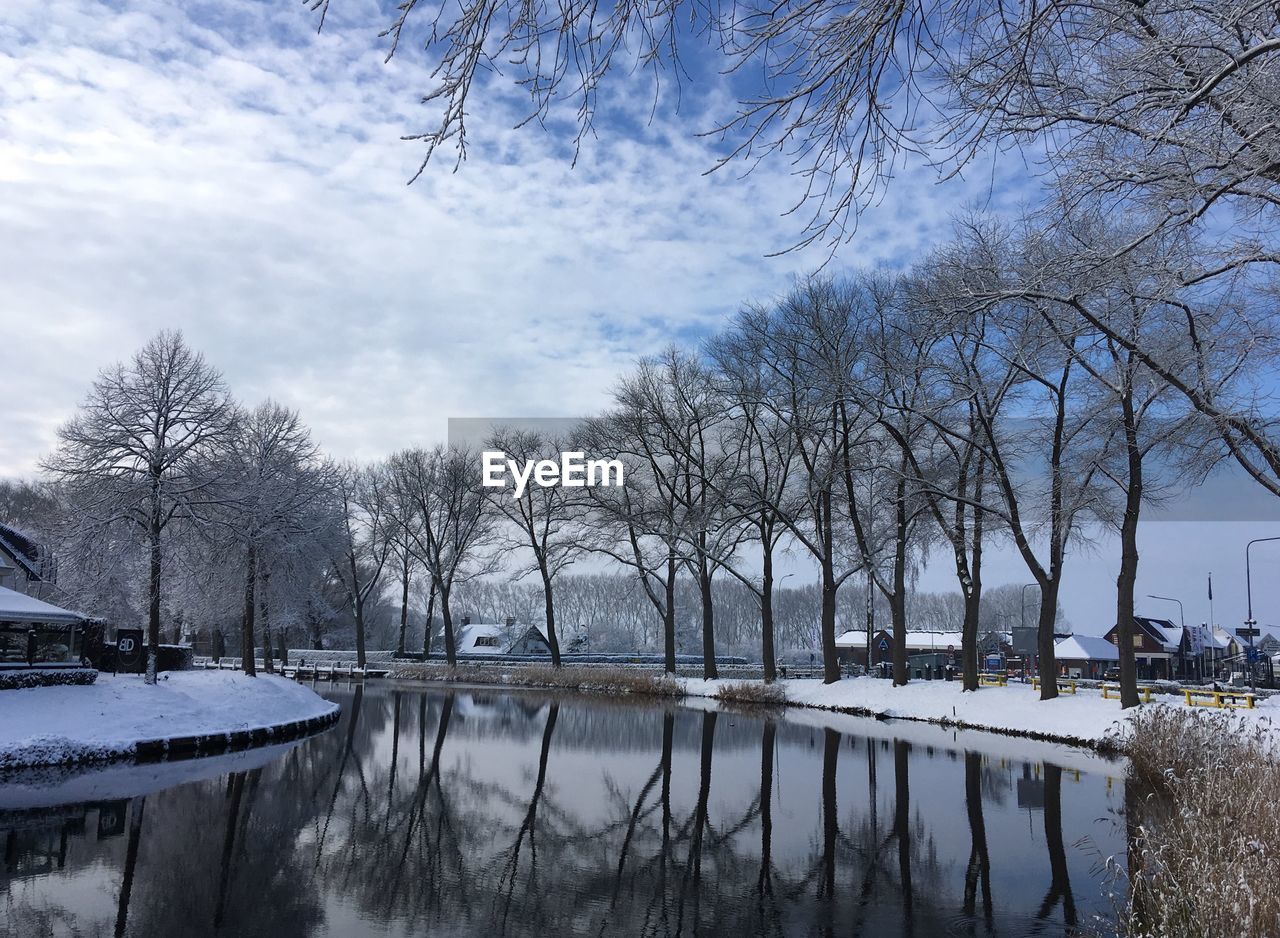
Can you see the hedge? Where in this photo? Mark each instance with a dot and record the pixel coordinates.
(46, 677)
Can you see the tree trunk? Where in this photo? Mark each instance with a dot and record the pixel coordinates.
(969, 639)
(830, 661)
(264, 612)
(153, 599)
(548, 602)
(766, 619)
(450, 648)
(669, 615)
(426, 627)
(404, 604)
(359, 611)
(709, 670)
(1044, 639)
(250, 609)
(898, 601)
(1128, 565)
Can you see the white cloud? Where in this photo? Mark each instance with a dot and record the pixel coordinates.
(223, 169)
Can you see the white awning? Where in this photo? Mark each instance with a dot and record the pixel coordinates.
(18, 607)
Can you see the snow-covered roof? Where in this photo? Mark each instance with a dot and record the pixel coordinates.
(1169, 635)
(18, 607)
(482, 638)
(916, 638)
(24, 551)
(1222, 638)
(1086, 648)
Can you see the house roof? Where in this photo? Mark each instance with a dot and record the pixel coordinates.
(17, 607)
(1223, 638)
(468, 635)
(916, 638)
(1086, 648)
(23, 550)
(506, 636)
(1162, 630)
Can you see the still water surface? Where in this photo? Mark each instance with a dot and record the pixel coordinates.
(494, 813)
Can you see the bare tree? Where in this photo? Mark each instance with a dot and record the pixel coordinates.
(637, 524)
(544, 518)
(142, 450)
(1171, 101)
(454, 521)
(1041, 343)
(364, 547)
(765, 461)
(1138, 296)
(810, 343)
(279, 485)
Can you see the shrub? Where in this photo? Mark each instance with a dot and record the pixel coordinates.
(752, 692)
(1203, 812)
(46, 677)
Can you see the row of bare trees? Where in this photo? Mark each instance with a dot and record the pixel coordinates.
(999, 391)
(980, 397)
(1115, 341)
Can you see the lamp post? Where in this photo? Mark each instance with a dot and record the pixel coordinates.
(1250, 623)
(1182, 620)
(1022, 615)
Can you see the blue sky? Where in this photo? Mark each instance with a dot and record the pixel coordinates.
(221, 168)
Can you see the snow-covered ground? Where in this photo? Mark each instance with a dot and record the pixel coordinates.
(1084, 717)
(106, 720)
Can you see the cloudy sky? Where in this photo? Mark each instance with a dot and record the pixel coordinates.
(217, 166)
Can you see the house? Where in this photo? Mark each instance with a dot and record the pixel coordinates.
(34, 631)
(488, 639)
(851, 646)
(1160, 648)
(1086, 656)
(1267, 644)
(25, 566)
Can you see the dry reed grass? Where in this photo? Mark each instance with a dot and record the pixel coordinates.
(597, 679)
(1203, 815)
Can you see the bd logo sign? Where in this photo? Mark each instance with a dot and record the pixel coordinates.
(131, 652)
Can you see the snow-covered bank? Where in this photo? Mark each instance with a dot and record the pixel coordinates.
(1084, 718)
(119, 717)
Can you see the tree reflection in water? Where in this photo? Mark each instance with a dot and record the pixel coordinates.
(522, 814)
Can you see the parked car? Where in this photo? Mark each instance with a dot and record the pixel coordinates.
(1112, 674)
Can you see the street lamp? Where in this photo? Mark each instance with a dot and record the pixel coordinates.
(1251, 624)
(1022, 615)
(1023, 609)
(1181, 618)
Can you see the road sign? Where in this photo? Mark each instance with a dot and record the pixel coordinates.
(1251, 654)
(131, 651)
(1249, 632)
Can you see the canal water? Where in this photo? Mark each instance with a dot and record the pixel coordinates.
(487, 813)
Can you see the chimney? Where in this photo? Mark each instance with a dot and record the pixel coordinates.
(511, 620)
(466, 620)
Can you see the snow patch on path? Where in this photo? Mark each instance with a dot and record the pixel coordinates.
(106, 720)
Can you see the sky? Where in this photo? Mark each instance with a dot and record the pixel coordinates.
(220, 167)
